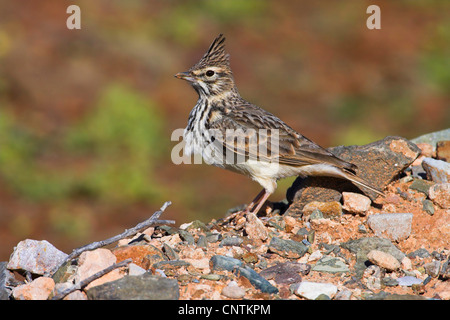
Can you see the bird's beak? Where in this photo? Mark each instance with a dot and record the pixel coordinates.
(184, 76)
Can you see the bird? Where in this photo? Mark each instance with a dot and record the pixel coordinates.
(234, 134)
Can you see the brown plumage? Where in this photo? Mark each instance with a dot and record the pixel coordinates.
(262, 146)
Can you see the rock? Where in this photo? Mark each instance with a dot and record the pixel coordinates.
(378, 162)
(372, 277)
(440, 195)
(4, 292)
(287, 248)
(37, 257)
(332, 209)
(432, 268)
(255, 279)
(254, 228)
(433, 138)
(428, 207)
(408, 281)
(286, 272)
(421, 186)
(312, 290)
(419, 253)
(143, 287)
(443, 150)
(231, 241)
(437, 170)
(38, 289)
(186, 236)
(142, 255)
(329, 264)
(135, 270)
(343, 295)
(396, 226)
(356, 203)
(361, 247)
(171, 253)
(91, 262)
(233, 291)
(383, 259)
(219, 262)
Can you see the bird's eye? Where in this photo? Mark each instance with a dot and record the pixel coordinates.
(209, 73)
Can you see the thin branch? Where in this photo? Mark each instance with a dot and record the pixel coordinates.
(80, 285)
(128, 233)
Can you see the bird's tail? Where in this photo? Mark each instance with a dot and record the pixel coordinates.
(360, 181)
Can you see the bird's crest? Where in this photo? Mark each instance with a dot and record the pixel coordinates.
(215, 56)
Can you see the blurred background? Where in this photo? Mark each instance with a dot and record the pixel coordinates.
(86, 115)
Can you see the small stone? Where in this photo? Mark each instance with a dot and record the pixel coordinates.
(332, 265)
(255, 279)
(231, 241)
(170, 252)
(421, 186)
(316, 214)
(219, 262)
(396, 226)
(135, 270)
(286, 272)
(330, 209)
(233, 291)
(428, 207)
(91, 262)
(38, 289)
(440, 195)
(408, 281)
(406, 263)
(383, 260)
(143, 287)
(287, 248)
(211, 276)
(437, 170)
(254, 228)
(356, 203)
(443, 150)
(312, 290)
(343, 295)
(432, 268)
(37, 257)
(419, 253)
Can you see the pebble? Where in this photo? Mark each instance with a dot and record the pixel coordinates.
(421, 186)
(231, 241)
(91, 262)
(312, 290)
(331, 209)
(332, 265)
(37, 257)
(437, 170)
(396, 226)
(440, 195)
(254, 228)
(219, 262)
(356, 203)
(383, 259)
(443, 150)
(428, 207)
(286, 272)
(38, 289)
(287, 248)
(408, 281)
(432, 268)
(135, 270)
(256, 279)
(233, 291)
(142, 287)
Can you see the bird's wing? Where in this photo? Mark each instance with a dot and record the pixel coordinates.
(261, 130)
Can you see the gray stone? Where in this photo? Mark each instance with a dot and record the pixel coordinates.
(231, 241)
(286, 272)
(142, 287)
(428, 207)
(408, 281)
(421, 253)
(202, 242)
(186, 236)
(361, 247)
(396, 226)
(437, 170)
(35, 256)
(219, 262)
(287, 248)
(4, 293)
(378, 163)
(255, 279)
(329, 264)
(432, 268)
(421, 186)
(433, 138)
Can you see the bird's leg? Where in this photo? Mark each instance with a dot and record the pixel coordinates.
(262, 201)
(249, 207)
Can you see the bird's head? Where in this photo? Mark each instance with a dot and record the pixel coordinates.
(212, 75)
